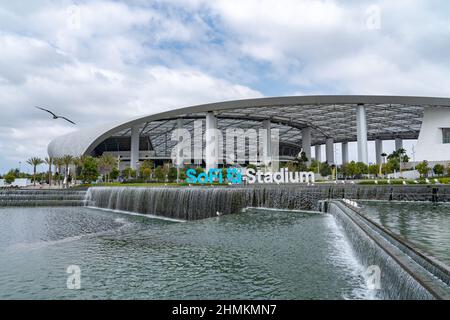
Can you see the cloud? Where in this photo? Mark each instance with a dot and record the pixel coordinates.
(102, 71)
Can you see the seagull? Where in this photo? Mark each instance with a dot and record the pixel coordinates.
(55, 116)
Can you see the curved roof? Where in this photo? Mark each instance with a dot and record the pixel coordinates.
(388, 117)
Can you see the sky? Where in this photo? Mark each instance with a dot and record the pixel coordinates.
(102, 61)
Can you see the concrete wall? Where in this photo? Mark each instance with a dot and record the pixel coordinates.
(430, 145)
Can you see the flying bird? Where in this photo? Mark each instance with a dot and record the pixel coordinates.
(55, 116)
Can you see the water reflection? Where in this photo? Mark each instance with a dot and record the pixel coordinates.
(425, 224)
(262, 255)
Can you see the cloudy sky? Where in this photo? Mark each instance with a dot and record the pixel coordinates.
(100, 61)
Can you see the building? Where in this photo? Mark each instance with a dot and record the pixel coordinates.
(303, 122)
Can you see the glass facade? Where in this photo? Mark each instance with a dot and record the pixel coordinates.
(446, 135)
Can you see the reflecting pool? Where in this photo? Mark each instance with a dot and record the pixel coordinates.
(425, 224)
(259, 255)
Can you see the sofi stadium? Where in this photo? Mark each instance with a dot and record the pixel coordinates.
(303, 122)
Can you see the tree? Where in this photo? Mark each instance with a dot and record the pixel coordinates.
(10, 177)
(315, 165)
(423, 168)
(89, 171)
(172, 174)
(345, 170)
(325, 169)
(165, 169)
(159, 174)
(361, 168)
(374, 169)
(183, 174)
(78, 164)
(115, 173)
(105, 164)
(146, 169)
(387, 168)
(49, 162)
(35, 162)
(67, 161)
(58, 163)
(129, 173)
(299, 163)
(438, 169)
(400, 156)
(393, 165)
(302, 162)
(350, 169)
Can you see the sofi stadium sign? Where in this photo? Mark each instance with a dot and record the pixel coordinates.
(232, 148)
(250, 176)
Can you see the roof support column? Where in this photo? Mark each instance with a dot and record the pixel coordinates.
(211, 150)
(267, 143)
(330, 150)
(134, 157)
(318, 152)
(398, 144)
(344, 146)
(378, 150)
(306, 143)
(180, 155)
(361, 130)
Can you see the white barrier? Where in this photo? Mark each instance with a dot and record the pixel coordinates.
(412, 174)
(16, 183)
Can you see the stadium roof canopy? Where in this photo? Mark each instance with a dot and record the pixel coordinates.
(388, 117)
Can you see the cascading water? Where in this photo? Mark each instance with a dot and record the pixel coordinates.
(199, 202)
(373, 248)
(192, 203)
(33, 198)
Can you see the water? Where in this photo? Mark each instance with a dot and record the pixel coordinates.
(43, 197)
(374, 250)
(426, 225)
(254, 255)
(191, 203)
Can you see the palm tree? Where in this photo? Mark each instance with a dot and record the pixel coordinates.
(77, 162)
(49, 162)
(67, 161)
(35, 162)
(57, 163)
(106, 163)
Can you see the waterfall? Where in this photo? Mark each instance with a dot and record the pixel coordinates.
(372, 247)
(192, 203)
(202, 202)
(33, 198)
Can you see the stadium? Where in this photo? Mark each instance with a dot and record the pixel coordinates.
(303, 122)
